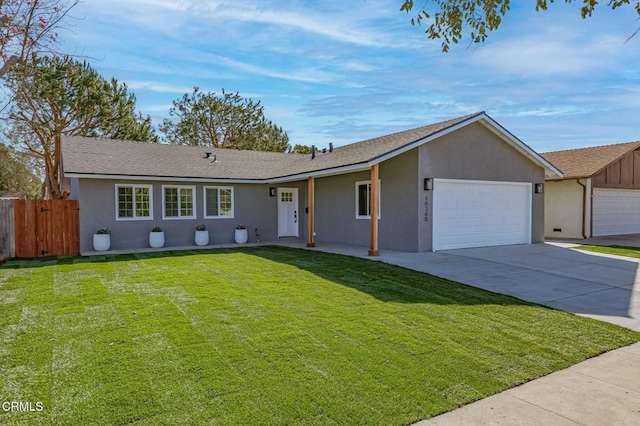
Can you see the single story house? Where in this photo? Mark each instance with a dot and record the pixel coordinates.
(599, 193)
(465, 182)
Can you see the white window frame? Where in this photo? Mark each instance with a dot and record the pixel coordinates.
(368, 182)
(179, 188)
(204, 202)
(133, 207)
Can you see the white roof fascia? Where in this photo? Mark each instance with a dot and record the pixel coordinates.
(484, 119)
(161, 178)
(321, 173)
(417, 143)
(291, 178)
(550, 170)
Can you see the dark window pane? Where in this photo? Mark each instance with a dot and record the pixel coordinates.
(186, 202)
(363, 200)
(171, 202)
(142, 202)
(212, 202)
(226, 206)
(125, 201)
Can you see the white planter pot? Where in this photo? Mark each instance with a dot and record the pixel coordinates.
(101, 242)
(242, 236)
(202, 238)
(156, 239)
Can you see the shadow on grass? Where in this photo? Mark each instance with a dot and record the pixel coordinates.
(385, 282)
(70, 260)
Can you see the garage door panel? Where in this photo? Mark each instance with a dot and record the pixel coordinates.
(478, 213)
(616, 211)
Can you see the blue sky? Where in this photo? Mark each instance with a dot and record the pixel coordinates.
(346, 70)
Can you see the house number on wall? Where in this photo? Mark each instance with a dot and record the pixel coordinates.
(426, 208)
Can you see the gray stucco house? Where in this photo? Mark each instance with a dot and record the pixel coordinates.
(465, 182)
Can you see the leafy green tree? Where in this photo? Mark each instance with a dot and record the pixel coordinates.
(56, 96)
(450, 18)
(301, 149)
(17, 173)
(29, 26)
(226, 121)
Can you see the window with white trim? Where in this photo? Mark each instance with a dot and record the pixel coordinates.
(134, 202)
(218, 202)
(178, 202)
(363, 199)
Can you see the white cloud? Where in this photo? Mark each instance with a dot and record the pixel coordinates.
(164, 108)
(309, 75)
(540, 111)
(157, 87)
(551, 50)
(341, 23)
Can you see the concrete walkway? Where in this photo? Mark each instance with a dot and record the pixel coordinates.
(600, 391)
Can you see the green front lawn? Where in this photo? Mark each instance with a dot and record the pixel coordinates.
(617, 250)
(266, 336)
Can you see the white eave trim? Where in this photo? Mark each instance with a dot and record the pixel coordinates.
(301, 176)
(160, 178)
(550, 170)
(422, 141)
(321, 173)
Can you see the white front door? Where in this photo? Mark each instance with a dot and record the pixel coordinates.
(287, 212)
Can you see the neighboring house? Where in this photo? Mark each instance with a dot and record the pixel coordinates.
(465, 182)
(598, 195)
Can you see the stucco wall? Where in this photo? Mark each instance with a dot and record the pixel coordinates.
(475, 153)
(563, 209)
(335, 201)
(74, 189)
(335, 210)
(253, 208)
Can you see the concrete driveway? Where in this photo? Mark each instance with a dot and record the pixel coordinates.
(595, 285)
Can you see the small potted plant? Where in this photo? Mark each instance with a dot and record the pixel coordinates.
(202, 235)
(102, 239)
(156, 237)
(242, 236)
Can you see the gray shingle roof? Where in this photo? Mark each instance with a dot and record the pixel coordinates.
(586, 162)
(115, 157)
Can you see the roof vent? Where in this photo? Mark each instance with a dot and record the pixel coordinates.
(313, 152)
(207, 155)
(330, 146)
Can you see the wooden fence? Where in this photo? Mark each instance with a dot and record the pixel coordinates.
(46, 228)
(7, 230)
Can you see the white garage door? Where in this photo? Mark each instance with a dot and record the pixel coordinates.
(470, 213)
(616, 211)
